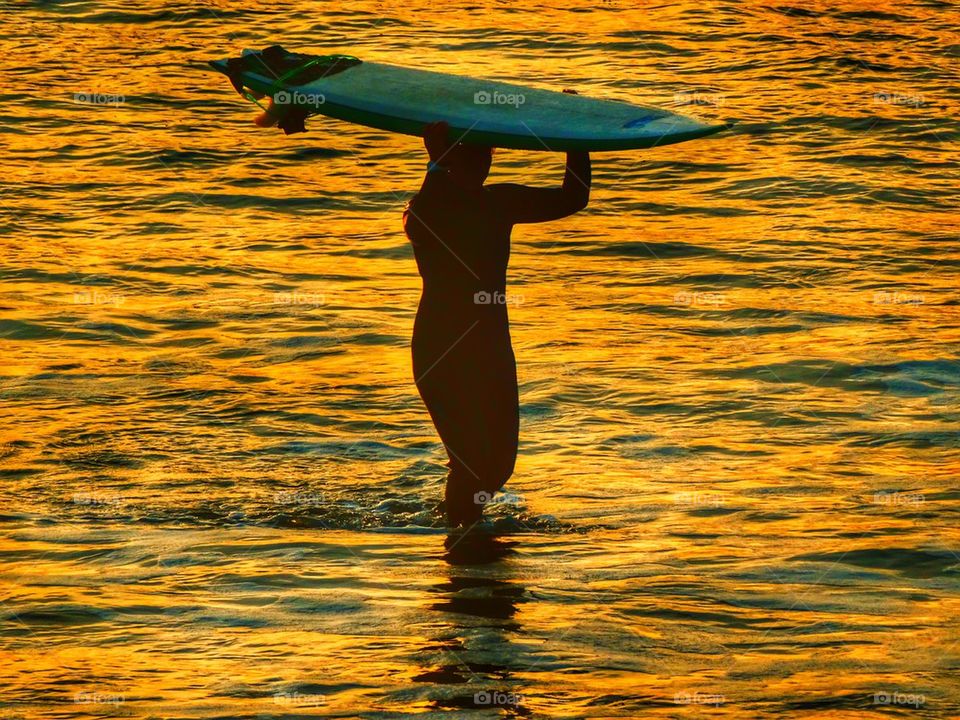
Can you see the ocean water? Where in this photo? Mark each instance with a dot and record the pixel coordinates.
(737, 490)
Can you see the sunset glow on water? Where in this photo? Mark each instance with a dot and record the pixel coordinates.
(737, 486)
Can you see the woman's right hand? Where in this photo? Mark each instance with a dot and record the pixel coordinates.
(436, 138)
(269, 117)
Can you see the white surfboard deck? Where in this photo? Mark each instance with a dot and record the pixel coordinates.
(506, 115)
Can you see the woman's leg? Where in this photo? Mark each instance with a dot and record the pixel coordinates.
(482, 447)
(470, 390)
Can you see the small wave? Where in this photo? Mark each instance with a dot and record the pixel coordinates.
(906, 561)
(181, 15)
(846, 376)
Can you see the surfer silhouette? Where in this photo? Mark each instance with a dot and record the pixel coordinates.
(463, 361)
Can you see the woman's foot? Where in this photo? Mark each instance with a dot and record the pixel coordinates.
(463, 504)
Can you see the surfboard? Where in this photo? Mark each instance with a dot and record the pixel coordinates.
(403, 100)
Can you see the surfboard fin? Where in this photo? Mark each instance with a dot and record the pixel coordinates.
(293, 121)
(284, 69)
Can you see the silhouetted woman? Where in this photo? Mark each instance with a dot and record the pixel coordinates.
(463, 362)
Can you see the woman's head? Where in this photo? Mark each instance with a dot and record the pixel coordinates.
(470, 163)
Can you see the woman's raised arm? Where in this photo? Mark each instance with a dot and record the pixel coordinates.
(523, 204)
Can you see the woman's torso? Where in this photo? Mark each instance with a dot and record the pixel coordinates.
(461, 244)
